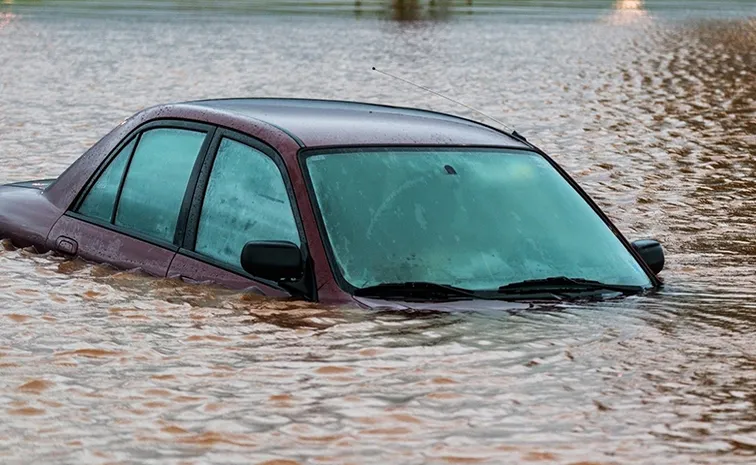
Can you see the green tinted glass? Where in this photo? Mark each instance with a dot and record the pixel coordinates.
(100, 200)
(246, 200)
(473, 219)
(157, 180)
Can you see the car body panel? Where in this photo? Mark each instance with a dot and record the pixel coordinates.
(317, 123)
(39, 184)
(96, 243)
(26, 215)
(194, 270)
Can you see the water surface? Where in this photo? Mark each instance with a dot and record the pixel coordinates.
(652, 107)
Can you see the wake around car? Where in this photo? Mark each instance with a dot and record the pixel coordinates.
(330, 201)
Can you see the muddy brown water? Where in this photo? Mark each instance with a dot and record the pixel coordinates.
(650, 106)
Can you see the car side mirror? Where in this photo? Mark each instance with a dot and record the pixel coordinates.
(273, 260)
(651, 252)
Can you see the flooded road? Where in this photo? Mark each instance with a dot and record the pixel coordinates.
(652, 107)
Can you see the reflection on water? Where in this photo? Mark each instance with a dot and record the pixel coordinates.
(628, 11)
(721, 109)
(697, 101)
(412, 10)
(399, 10)
(655, 118)
(6, 18)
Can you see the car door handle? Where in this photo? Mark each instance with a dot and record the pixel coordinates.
(66, 245)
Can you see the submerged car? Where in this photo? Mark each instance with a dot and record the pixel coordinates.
(330, 201)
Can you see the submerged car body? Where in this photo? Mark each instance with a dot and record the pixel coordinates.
(337, 202)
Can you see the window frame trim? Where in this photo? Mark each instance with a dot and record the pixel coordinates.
(346, 286)
(137, 140)
(136, 135)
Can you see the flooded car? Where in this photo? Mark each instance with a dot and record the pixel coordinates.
(336, 202)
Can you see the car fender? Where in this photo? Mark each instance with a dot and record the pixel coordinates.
(26, 216)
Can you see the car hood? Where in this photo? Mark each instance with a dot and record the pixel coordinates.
(473, 305)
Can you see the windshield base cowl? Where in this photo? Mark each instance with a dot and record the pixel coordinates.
(470, 305)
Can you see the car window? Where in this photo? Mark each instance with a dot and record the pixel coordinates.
(246, 200)
(156, 181)
(471, 218)
(100, 200)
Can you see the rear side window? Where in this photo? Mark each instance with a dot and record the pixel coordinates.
(156, 182)
(246, 200)
(100, 200)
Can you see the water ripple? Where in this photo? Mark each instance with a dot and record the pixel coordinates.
(654, 116)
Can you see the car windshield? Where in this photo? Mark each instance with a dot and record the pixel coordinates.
(472, 218)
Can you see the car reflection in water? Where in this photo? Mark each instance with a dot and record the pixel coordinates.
(416, 10)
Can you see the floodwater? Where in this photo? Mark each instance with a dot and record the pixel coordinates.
(651, 106)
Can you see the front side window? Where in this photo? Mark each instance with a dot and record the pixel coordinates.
(156, 181)
(246, 200)
(100, 200)
(476, 219)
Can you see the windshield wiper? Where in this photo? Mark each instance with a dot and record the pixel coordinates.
(564, 283)
(429, 291)
(416, 289)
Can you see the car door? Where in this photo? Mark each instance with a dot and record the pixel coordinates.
(243, 194)
(133, 211)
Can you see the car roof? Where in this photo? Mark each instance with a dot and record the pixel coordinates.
(319, 123)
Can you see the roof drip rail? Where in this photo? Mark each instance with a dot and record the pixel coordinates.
(512, 131)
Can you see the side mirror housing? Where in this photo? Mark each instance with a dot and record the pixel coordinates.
(652, 253)
(273, 260)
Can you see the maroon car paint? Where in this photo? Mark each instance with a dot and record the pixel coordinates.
(26, 216)
(98, 244)
(317, 126)
(193, 270)
(30, 216)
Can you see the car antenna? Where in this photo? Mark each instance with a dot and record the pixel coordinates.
(512, 130)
